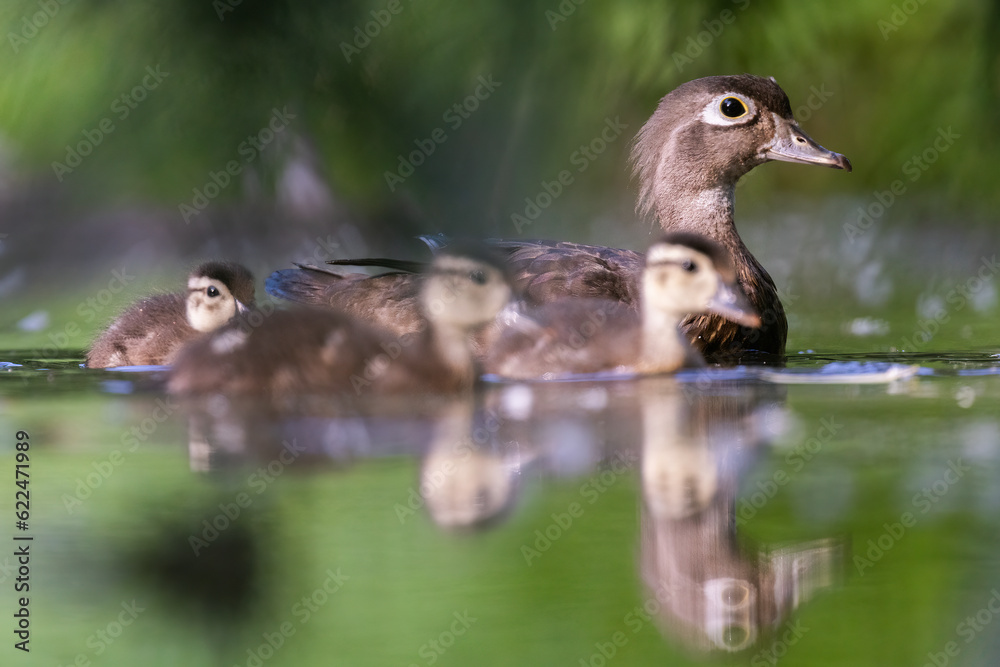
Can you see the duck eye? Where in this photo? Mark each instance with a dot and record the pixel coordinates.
(212, 290)
(689, 266)
(732, 107)
(478, 277)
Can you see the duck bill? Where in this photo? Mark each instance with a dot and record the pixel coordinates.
(730, 303)
(791, 144)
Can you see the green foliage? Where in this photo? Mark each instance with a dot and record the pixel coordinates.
(894, 79)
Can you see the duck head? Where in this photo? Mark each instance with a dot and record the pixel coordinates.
(689, 274)
(466, 286)
(217, 291)
(706, 134)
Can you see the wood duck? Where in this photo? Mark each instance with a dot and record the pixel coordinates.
(151, 332)
(687, 158)
(684, 274)
(318, 351)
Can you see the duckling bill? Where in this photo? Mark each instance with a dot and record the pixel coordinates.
(152, 331)
(314, 351)
(702, 138)
(684, 274)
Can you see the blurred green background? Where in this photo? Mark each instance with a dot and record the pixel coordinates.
(118, 121)
(877, 81)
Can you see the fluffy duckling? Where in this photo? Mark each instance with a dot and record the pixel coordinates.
(151, 332)
(703, 137)
(684, 274)
(314, 351)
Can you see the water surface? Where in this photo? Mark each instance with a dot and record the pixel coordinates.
(712, 516)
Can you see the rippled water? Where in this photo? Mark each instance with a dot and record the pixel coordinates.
(824, 513)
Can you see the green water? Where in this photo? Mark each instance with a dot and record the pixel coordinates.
(670, 520)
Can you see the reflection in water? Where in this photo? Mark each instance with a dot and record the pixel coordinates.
(468, 478)
(708, 588)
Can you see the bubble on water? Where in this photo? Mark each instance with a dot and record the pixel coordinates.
(965, 396)
(930, 306)
(118, 386)
(570, 445)
(516, 401)
(866, 326)
(871, 286)
(36, 321)
(985, 298)
(594, 399)
(981, 440)
(773, 422)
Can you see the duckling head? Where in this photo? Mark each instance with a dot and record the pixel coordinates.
(707, 133)
(466, 286)
(217, 291)
(688, 274)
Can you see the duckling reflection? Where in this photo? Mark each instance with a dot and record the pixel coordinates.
(713, 590)
(467, 478)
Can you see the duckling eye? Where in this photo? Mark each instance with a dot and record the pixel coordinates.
(689, 266)
(731, 107)
(478, 277)
(212, 290)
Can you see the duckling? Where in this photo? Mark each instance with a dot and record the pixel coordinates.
(151, 332)
(314, 351)
(702, 138)
(684, 274)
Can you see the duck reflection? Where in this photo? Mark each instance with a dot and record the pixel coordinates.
(711, 588)
(690, 443)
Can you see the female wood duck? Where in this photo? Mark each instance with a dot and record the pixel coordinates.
(684, 274)
(318, 351)
(702, 138)
(151, 332)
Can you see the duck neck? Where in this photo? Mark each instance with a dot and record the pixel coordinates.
(709, 211)
(664, 347)
(704, 210)
(451, 346)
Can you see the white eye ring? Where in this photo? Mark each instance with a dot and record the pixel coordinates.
(712, 113)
